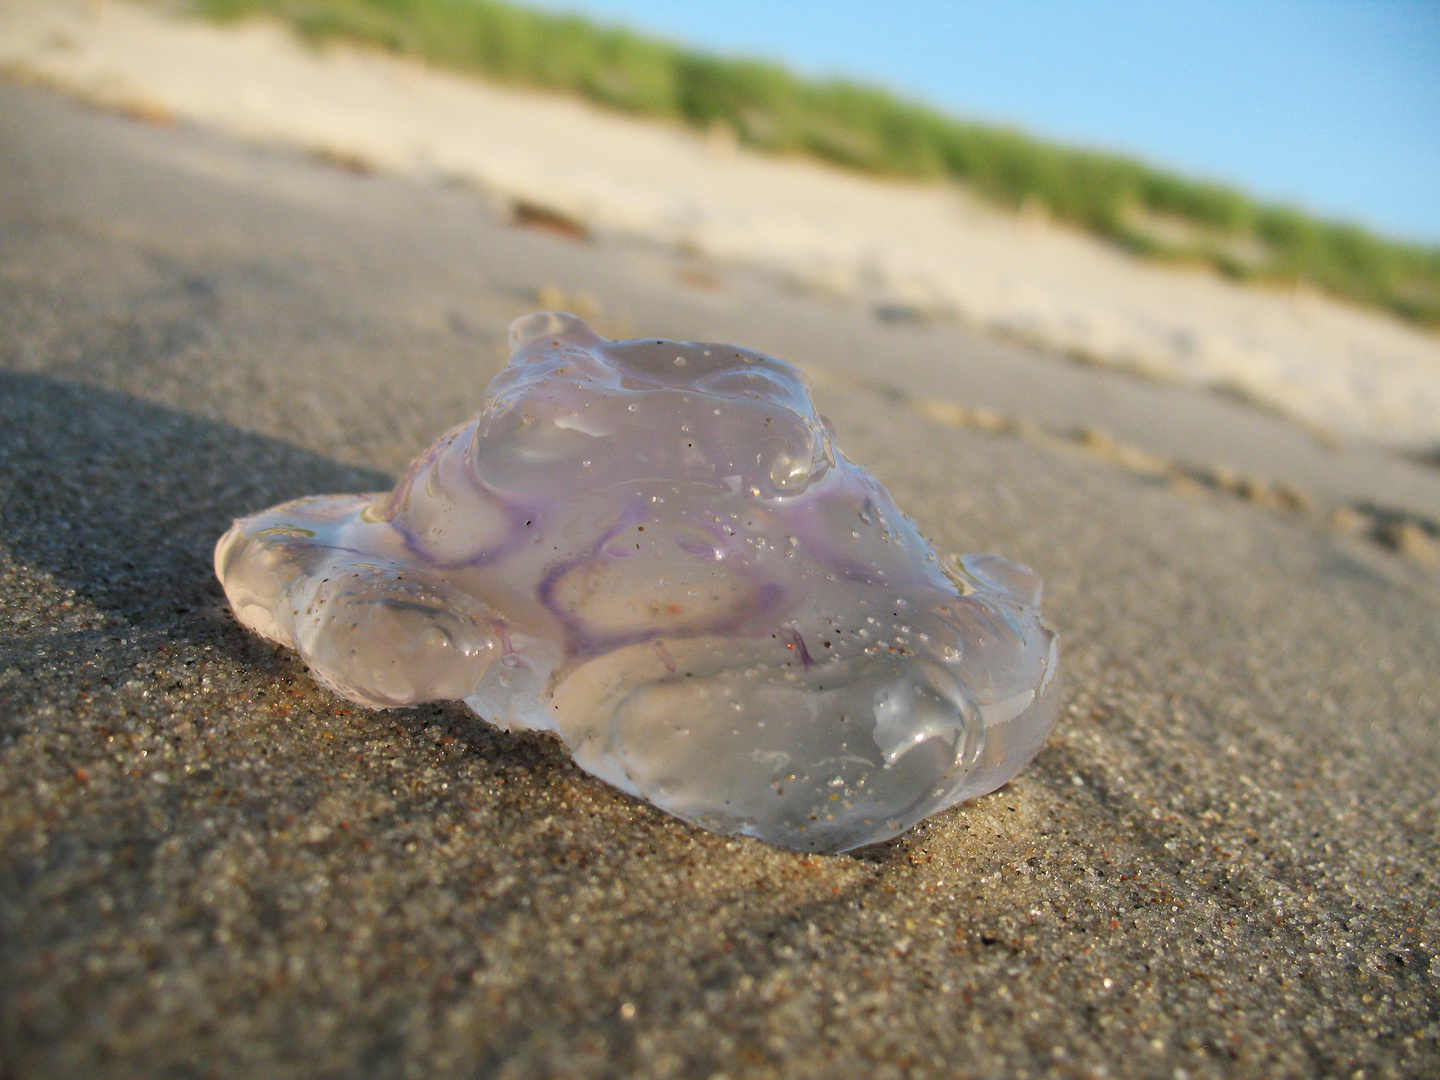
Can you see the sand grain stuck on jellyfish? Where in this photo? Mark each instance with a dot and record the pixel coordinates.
(654, 550)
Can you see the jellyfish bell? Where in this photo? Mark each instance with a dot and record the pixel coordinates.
(654, 550)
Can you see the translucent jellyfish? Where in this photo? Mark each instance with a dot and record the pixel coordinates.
(654, 550)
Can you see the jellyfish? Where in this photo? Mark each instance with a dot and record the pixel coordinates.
(655, 551)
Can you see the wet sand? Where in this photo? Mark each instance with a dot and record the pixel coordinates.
(1224, 863)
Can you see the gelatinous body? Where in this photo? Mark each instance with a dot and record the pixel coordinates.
(654, 550)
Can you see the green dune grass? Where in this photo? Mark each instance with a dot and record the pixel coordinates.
(1143, 209)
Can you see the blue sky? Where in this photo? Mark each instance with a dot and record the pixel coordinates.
(1331, 105)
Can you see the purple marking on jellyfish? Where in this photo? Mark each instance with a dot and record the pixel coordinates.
(798, 643)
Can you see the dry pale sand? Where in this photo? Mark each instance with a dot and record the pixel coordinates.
(930, 249)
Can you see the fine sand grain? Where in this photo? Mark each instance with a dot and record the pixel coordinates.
(1223, 864)
(919, 251)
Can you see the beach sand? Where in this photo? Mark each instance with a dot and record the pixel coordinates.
(930, 251)
(1224, 863)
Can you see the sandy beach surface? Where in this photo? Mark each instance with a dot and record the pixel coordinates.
(1224, 863)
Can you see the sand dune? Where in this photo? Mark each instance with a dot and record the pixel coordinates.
(928, 249)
